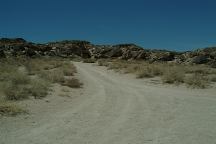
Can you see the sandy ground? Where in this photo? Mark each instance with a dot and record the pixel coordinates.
(115, 109)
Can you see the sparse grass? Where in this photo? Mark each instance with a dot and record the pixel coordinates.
(149, 71)
(145, 73)
(170, 73)
(55, 76)
(19, 78)
(17, 84)
(10, 109)
(118, 65)
(15, 92)
(16, 87)
(6, 71)
(39, 88)
(173, 75)
(197, 80)
(202, 69)
(38, 64)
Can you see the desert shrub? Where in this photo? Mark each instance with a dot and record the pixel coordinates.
(102, 62)
(6, 71)
(149, 71)
(117, 65)
(173, 75)
(132, 69)
(35, 65)
(15, 92)
(157, 69)
(39, 88)
(72, 83)
(8, 108)
(197, 80)
(20, 86)
(55, 63)
(55, 76)
(68, 69)
(204, 70)
(19, 78)
(16, 87)
(89, 60)
(145, 73)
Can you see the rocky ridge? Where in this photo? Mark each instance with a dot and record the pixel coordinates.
(85, 49)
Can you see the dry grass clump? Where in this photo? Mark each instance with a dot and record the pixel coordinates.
(201, 69)
(58, 76)
(72, 83)
(39, 88)
(149, 71)
(141, 69)
(54, 76)
(39, 64)
(19, 78)
(118, 65)
(16, 84)
(15, 92)
(68, 69)
(145, 73)
(16, 87)
(6, 70)
(197, 80)
(89, 60)
(103, 62)
(8, 108)
(173, 75)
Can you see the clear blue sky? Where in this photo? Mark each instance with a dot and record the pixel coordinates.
(166, 24)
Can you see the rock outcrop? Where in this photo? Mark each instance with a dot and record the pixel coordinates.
(70, 48)
(84, 49)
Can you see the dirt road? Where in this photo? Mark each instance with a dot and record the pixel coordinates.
(118, 109)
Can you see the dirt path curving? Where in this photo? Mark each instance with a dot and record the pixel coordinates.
(118, 109)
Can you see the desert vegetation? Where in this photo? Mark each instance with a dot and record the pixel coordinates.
(193, 76)
(89, 60)
(22, 78)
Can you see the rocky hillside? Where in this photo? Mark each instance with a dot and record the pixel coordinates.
(84, 49)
